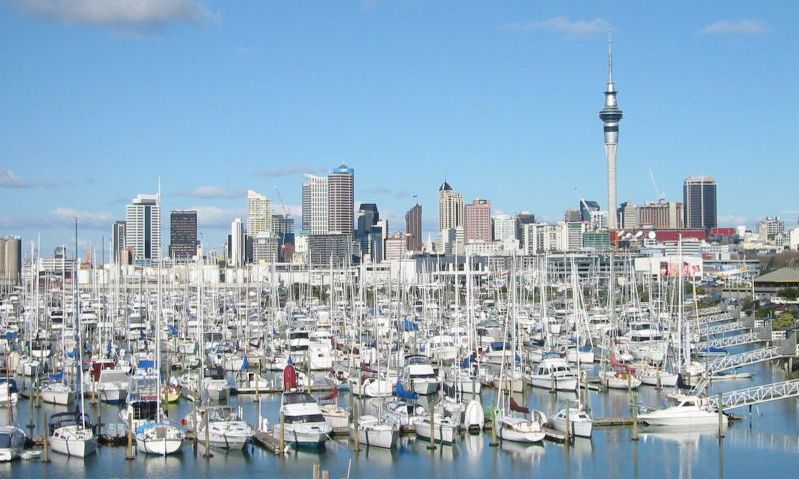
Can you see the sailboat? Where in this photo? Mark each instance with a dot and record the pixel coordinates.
(74, 438)
(158, 437)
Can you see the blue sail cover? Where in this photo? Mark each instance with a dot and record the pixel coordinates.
(402, 393)
(409, 325)
(146, 364)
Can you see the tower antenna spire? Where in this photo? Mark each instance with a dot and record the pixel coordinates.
(610, 56)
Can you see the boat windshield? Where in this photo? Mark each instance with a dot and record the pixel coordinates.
(305, 418)
(5, 440)
(297, 398)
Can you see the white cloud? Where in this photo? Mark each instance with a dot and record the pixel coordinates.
(563, 25)
(747, 26)
(212, 192)
(86, 219)
(288, 171)
(216, 217)
(140, 16)
(732, 220)
(9, 180)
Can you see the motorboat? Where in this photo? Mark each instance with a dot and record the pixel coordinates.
(419, 375)
(226, 428)
(304, 424)
(474, 417)
(12, 442)
(689, 411)
(553, 373)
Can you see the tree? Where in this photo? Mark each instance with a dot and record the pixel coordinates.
(789, 293)
(784, 321)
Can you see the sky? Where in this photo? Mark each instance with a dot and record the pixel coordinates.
(102, 99)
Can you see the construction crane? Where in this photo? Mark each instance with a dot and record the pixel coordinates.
(658, 193)
(282, 203)
(285, 214)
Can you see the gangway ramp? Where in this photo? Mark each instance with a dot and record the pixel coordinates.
(757, 395)
(729, 341)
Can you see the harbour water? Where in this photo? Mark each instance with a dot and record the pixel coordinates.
(763, 443)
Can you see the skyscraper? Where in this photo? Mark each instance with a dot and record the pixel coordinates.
(341, 200)
(478, 221)
(413, 228)
(450, 208)
(182, 235)
(259, 213)
(611, 117)
(314, 205)
(10, 260)
(368, 216)
(504, 227)
(118, 245)
(143, 229)
(238, 243)
(699, 202)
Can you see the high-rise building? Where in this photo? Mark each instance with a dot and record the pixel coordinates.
(523, 218)
(395, 247)
(265, 248)
(628, 212)
(377, 241)
(572, 216)
(504, 227)
(341, 200)
(413, 228)
(699, 202)
(259, 213)
(450, 208)
(611, 117)
(314, 205)
(326, 248)
(10, 260)
(182, 235)
(587, 208)
(238, 244)
(283, 228)
(119, 249)
(143, 229)
(368, 216)
(478, 221)
(660, 215)
(770, 228)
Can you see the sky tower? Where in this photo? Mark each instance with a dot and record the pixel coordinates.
(611, 116)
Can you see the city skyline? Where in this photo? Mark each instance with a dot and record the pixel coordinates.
(488, 130)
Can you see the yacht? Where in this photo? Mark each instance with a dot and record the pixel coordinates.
(71, 434)
(554, 373)
(8, 391)
(12, 441)
(689, 411)
(419, 375)
(443, 428)
(526, 426)
(305, 426)
(159, 438)
(226, 429)
(373, 432)
(578, 422)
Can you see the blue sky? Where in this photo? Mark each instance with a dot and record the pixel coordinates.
(101, 99)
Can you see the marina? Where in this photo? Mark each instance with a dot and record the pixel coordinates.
(245, 347)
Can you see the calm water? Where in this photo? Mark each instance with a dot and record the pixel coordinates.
(765, 444)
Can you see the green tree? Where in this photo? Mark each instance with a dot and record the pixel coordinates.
(784, 321)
